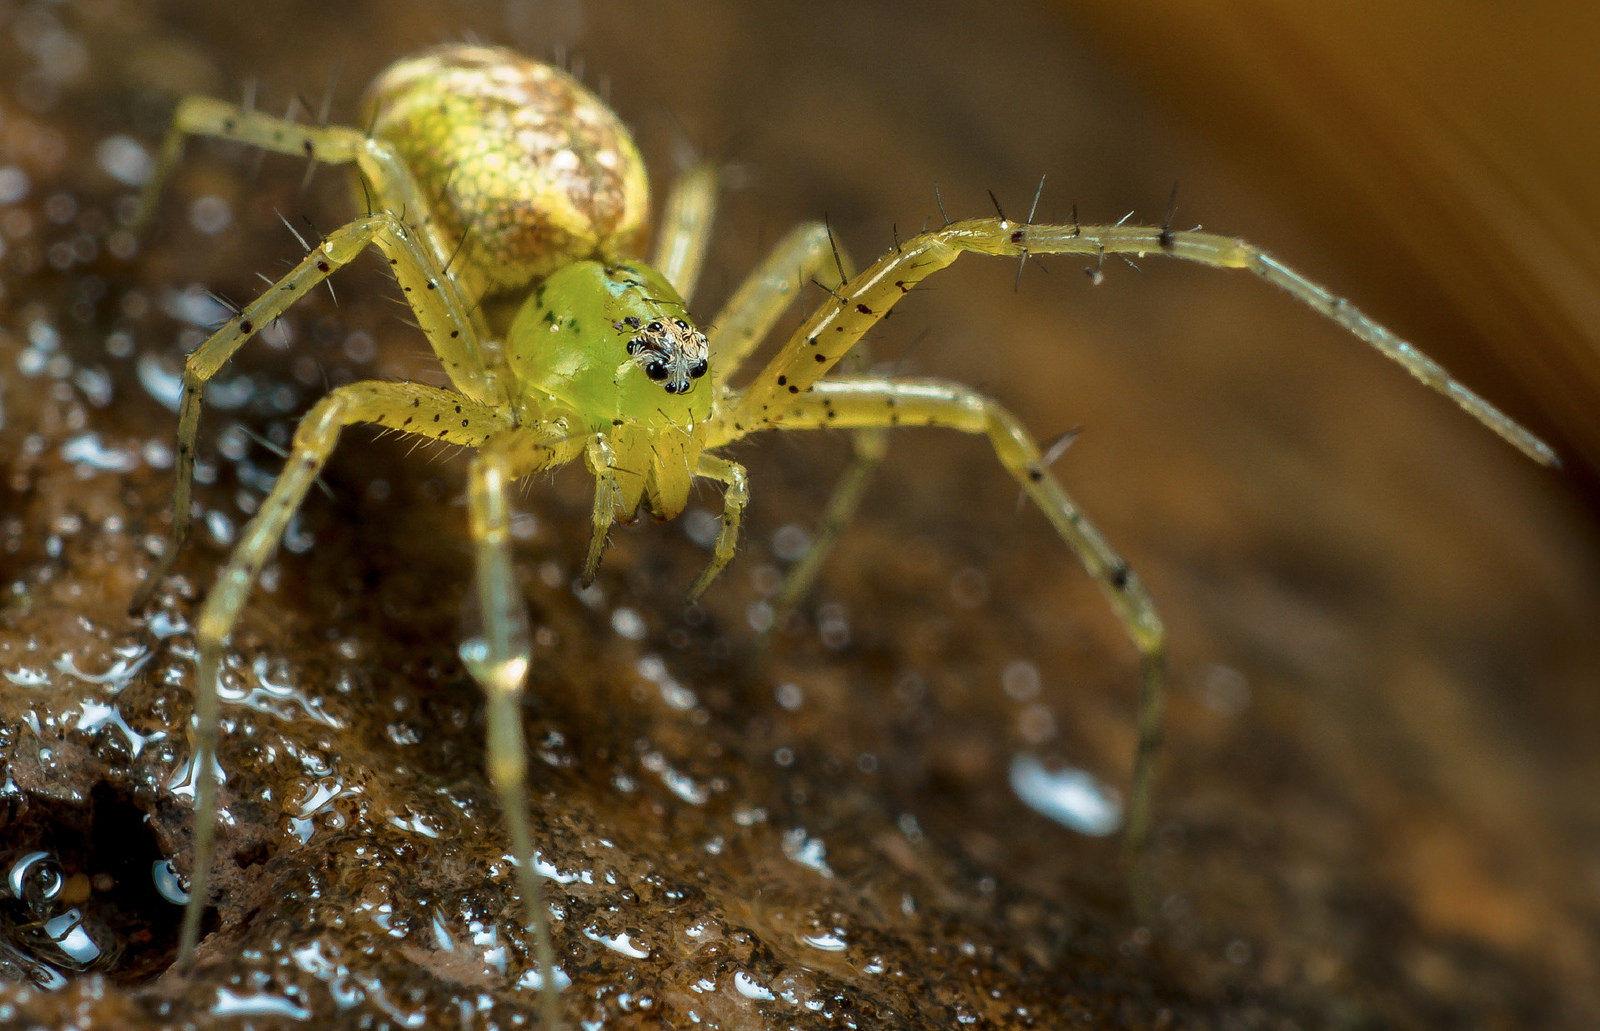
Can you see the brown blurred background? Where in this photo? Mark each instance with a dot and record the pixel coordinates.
(1377, 803)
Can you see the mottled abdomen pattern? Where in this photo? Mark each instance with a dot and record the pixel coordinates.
(520, 153)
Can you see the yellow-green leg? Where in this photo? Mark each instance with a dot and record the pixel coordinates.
(807, 252)
(870, 445)
(436, 303)
(498, 657)
(735, 494)
(833, 329)
(408, 407)
(387, 178)
(684, 231)
(879, 402)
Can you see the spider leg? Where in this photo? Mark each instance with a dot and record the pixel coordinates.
(437, 304)
(498, 658)
(734, 497)
(806, 253)
(685, 228)
(409, 407)
(833, 329)
(880, 402)
(383, 169)
(870, 444)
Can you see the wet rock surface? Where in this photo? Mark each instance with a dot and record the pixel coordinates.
(1372, 811)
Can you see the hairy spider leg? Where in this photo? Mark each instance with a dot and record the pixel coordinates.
(806, 253)
(839, 323)
(835, 327)
(407, 407)
(390, 186)
(438, 307)
(872, 401)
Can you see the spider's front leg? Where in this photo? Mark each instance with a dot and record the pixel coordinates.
(875, 402)
(835, 327)
(438, 307)
(498, 658)
(408, 407)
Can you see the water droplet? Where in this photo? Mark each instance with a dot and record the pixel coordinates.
(1069, 796)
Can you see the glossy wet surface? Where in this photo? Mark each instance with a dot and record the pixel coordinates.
(1373, 809)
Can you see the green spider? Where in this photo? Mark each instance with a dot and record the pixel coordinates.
(509, 202)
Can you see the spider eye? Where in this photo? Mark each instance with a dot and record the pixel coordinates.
(698, 369)
(654, 327)
(656, 370)
(635, 345)
(682, 324)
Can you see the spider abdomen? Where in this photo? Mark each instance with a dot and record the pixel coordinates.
(524, 168)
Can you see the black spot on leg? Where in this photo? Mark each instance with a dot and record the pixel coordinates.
(307, 146)
(246, 326)
(863, 309)
(435, 416)
(793, 389)
(1035, 474)
(323, 266)
(1119, 576)
(819, 356)
(782, 380)
(1016, 237)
